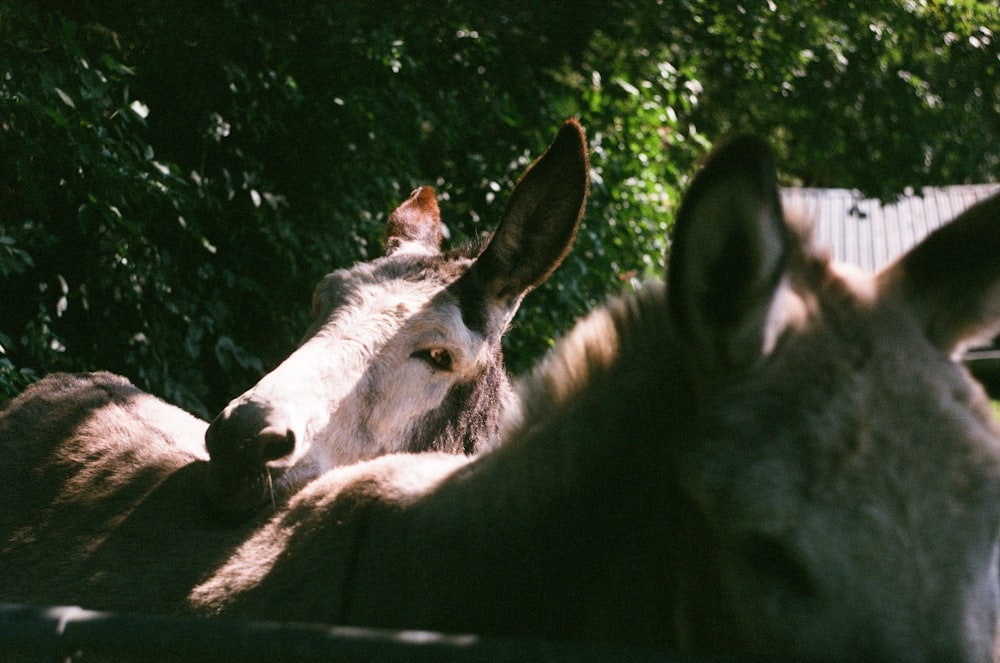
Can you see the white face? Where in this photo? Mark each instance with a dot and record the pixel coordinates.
(380, 357)
(389, 364)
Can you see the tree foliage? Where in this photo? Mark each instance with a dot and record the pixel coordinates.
(877, 96)
(176, 176)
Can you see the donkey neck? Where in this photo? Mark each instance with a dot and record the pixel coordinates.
(552, 501)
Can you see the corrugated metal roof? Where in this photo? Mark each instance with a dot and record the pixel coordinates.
(864, 232)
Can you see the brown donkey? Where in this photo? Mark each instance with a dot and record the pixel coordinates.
(771, 457)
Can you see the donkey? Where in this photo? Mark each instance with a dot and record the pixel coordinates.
(772, 456)
(404, 352)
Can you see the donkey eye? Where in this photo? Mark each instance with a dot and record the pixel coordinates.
(437, 358)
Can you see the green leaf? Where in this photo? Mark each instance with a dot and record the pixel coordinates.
(66, 99)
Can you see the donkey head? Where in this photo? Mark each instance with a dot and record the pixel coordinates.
(845, 470)
(404, 352)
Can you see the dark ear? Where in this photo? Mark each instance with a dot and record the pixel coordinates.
(951, 280)
(729, 256)
(415, 226)
(540, 222)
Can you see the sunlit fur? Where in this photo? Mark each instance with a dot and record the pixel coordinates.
(354, 389)
(773, 459)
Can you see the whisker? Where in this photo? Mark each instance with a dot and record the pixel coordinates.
(270, 488)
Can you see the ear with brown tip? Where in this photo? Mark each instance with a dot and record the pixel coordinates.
(951, 280)
(729, 257)
(540, 222)
(415, 226)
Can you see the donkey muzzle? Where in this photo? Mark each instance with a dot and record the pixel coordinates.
(244, 443)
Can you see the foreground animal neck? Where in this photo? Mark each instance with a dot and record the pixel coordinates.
(550, 502)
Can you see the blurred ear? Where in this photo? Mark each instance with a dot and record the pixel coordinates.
(540, 222)
(951, 280)
(728, 258)
(415, 226)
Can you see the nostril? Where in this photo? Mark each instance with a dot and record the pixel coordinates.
(247, 434)
(274, 443)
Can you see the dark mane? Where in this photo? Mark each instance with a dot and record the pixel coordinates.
(628, 326)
